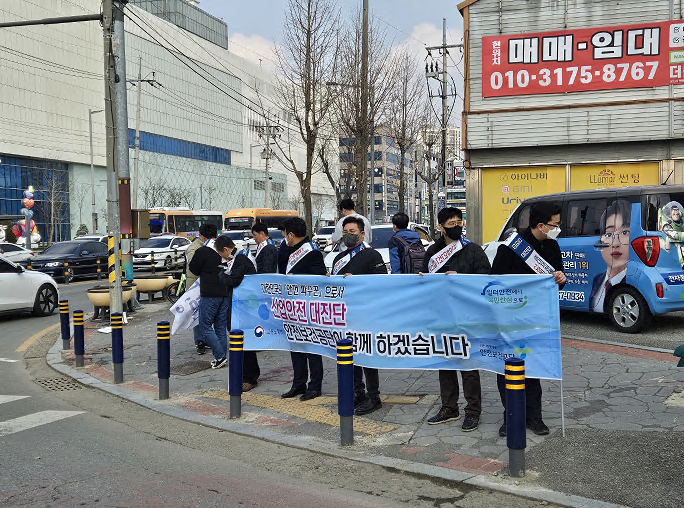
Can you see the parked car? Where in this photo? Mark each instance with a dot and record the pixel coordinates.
(623, 251)
(274, 234)
(14, 252)
(24, 290)
(239, 237)
(323, 237)
(81, 258)
(381, 235)
(166, 249)
(96, 238)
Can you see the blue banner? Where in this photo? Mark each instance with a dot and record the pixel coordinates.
(437, 321)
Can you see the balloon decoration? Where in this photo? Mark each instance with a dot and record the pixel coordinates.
(19, 229)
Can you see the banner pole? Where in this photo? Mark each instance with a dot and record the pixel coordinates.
(562, 408)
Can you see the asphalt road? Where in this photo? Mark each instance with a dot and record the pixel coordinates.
(64, 445)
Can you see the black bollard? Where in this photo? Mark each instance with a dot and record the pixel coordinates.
(163, 358)
(345, 390)
(64, 320)
(175, 257)
(67, 273)
(515, 416)
(154, 268)
(117, 346)
(79, 342)
(235, 355)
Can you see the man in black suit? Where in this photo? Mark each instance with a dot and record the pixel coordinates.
(359, 259)
(304, 259)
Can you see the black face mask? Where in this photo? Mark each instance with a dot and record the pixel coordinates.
(454, 233)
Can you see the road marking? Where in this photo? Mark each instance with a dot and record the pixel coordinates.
(34, 420)
(35, 337)
(8, 360)
(12, 398)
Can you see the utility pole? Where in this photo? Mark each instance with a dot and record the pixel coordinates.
(269, 131)
(268, 157)
(364, 141)
(91, 112)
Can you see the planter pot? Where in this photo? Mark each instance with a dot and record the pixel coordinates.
(147, 283)
(99, 295)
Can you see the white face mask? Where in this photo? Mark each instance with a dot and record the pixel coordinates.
(553, 233)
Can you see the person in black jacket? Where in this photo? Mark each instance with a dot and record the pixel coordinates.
(359, 259)
(541, 235)
(454, 253)
(304, 259)
(206, 264)
(283, 252)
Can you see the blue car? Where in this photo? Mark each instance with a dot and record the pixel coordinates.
(623, 251)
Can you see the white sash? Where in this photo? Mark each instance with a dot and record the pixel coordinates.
(347, 258)
(262, 245)
(530, 256)
(229, 265)
(440, 259)
(297, 255)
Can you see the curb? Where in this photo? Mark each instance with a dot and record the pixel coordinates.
(54, 360)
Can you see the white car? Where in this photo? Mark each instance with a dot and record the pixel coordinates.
(166, 249)
(381, 235)
(323, 237)
(274, 234)
(240, 238)
(15, 253)
(24, 290)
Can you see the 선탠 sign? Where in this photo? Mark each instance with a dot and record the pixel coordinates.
(629, 56)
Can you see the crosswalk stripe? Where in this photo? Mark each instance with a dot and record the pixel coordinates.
(34, 420)
(12, 398)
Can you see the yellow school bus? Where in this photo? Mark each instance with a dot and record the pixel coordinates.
(245, 218)
(181, 221)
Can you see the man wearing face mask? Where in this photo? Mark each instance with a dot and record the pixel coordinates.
(359, 259)
(541, 236)
(454, 253)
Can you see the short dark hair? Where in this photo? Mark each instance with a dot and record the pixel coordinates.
(355, 220)
(401, 220)
(618, 207)
(260, 227)
(296, 226)
(222, 242)
(448, 213)
(347, 204)
(208, 230)
(542, 212)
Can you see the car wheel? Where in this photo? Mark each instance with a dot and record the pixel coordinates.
(628, 311)
(168, 263)
(46, 301)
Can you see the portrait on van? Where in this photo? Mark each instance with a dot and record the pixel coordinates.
(615, 236)
(670, 221)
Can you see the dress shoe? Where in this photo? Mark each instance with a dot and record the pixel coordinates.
(502, 430)
(538, 427)
(368, 406)
(293, 392)
(247, 386)
(311, 394)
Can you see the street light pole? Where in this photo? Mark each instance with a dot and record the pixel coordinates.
(91, 112)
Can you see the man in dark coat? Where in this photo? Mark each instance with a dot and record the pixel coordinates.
(304, 259)
(541, 235)
(359, 259)
(454, 253)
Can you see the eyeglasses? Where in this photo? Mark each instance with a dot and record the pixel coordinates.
(623, 237)
(552, 225)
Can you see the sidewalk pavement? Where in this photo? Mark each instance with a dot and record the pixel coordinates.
(624, 415)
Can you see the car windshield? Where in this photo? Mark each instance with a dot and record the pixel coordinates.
(60, 249)
(381, 237)
(275, 234)
(155, 243)
(326, 231)
(237, 235)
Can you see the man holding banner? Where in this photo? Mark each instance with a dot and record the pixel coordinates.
(535, 250)
(304, 259)
(360, 259)
(454, 253)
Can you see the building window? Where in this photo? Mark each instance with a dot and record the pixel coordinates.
(259, 185)
(278, 187)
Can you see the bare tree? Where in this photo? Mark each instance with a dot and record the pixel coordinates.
(351, 109)
(405, 112)
(154, 193)
(276, 200)
(325, 156)
(78, 194)
(307, 61)
(294, 202)
(431, 172)
(53, 200)
(318, 203)
(208, 192)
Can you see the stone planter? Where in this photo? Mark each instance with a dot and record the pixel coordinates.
(151, 284)
(99, 297)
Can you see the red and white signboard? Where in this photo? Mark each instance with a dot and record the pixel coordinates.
(628, 56)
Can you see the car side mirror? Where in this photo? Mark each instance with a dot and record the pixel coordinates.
(329, 248)
(20, 269)
(509, 232)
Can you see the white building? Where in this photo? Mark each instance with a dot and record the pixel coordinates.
(199, 117)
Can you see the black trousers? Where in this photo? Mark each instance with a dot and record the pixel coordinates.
(250, 367)
(472, 390)
(372, 383)
(302, 363)
(533, 396)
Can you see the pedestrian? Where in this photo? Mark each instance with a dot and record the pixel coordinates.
(304, 259)
(283, 252)
(265, 261)
(214, 304)
(190, 278)
(360, 259)
(405, 247)
(454, 253)
(347, 210)
(541, 236)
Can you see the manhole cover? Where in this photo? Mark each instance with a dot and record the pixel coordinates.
(187, 368)
(59, 384)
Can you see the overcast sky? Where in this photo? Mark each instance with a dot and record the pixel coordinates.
(254, 26)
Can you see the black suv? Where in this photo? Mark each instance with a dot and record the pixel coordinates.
(79, 256)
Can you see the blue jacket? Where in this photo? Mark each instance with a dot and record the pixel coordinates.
(394, 245)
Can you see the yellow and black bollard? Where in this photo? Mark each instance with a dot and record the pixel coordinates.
(235, 356)
(64, 322)
(516, 416)
(163, 358)
(154, 265)
(79, 341)
(117, 346)
(67, 273)
(345, 390)
(99, 269)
